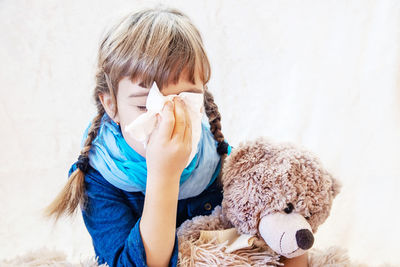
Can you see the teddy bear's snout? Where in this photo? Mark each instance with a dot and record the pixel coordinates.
(288, 234)
(304, 238)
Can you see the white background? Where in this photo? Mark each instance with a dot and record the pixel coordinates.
(322, 74)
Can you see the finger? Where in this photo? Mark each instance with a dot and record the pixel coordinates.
(188, 129)
(180, 120)
(153, 133)
(167, 122)
(158, 120)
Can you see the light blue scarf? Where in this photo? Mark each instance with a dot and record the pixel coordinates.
(126, 169)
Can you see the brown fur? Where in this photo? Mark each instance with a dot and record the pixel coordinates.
(261, 177)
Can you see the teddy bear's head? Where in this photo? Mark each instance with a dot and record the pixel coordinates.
(278, 192)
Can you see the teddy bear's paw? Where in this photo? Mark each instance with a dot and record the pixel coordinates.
(192, 227)
(213, 254)
(257, 256)
(212, 249)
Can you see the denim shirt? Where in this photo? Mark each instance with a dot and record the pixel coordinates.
(112, 218)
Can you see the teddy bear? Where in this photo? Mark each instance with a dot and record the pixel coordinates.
(275, 196)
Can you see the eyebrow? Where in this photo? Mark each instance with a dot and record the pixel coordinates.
(190, 90)
(137, 94)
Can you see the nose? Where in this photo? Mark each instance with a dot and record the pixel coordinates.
(304, 238)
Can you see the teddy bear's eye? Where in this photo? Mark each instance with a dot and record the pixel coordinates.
(308, 217)
(289, 208)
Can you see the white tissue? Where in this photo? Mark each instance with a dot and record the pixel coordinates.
(142, 127)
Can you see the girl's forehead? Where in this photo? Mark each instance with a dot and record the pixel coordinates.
(129, 88)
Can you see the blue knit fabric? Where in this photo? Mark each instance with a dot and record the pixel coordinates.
(112, 217)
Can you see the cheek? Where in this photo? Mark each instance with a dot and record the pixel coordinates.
(127, 114)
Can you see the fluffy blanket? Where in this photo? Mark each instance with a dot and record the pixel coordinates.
(45, 257)
(193, 251)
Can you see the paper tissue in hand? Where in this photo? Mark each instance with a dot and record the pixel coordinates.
(142, 127)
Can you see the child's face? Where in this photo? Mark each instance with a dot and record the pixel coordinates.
(131, 102)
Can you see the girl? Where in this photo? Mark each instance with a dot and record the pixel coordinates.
(133, 196)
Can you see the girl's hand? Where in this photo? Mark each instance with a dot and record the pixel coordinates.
(170, 144)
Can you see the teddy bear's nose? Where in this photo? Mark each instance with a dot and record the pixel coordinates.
(304, 238)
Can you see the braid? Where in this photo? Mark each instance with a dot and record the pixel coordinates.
(213, 115)
(92, 133)
(73, 192)
(214, 118)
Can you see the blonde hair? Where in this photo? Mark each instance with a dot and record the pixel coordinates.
(151, 45)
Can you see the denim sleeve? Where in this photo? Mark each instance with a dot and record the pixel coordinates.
(114, 226)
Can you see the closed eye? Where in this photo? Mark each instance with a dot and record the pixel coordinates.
(142, 108)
